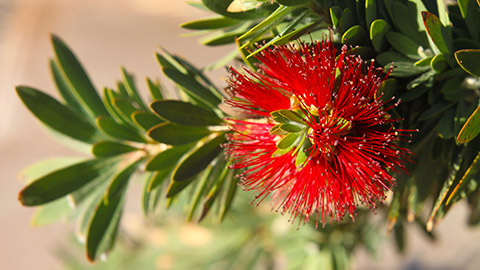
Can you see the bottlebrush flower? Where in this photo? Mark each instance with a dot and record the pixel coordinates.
(317, 138)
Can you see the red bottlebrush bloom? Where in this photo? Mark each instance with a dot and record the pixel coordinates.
(317, 138)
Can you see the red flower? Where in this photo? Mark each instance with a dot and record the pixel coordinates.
(318, 139)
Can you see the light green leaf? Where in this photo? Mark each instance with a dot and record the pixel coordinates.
(118, 131)
(403, 44)
(378, 29)
(471, 128)
(287, 141)
(210, 23)
(111, 148)
(50, 212)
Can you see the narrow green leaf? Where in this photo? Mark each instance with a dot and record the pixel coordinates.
(78, 79)
(227, 196)
(108, 96)
(335, 15)
(198, 159)
(210, 23)
(67, 94)
(184, 113)
(469, 60)
(199, 190)
(62, 182)
(46, 166)
(159, 177)
(278, 14)
(223, 37)
(128, 82)
(378, 29)
(175, 187)
(292, 2)
(103, 227)
(146, 120)
(471, 128)
(174, 134)
(111, 148)
(57, 116)
(125, 108)
(403, 44)
(119, 181)
(471, 14)
(155, 89)
(467, 177)
(192, 87)
(214, 191)
(118, 131)
(291, 115)
(424, 62)
(167, 158)
(151, 197)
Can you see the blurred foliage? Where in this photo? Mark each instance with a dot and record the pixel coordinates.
(174, 145)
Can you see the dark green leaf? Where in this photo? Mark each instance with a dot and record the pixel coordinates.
(435, 110)
(132, 91)
(56, 115)
(77, 79)
(62, 182)
(378, 29)
(210, 23)
(198, 159)
(335, 15)
(110, 148)
(145, 120)
(174, 134)
(119, 181)
(167, 158)
(184, 113)
(65, 91)
(471, 14)
(175, 187)
(445, 126)
(155, 89)
(403, 44)
(386, 90)
(439, 63)
(438, 33)
(469, 60)
(159, 177)
(46, 166)
(125, 108)
(370, 12)
(347, 20)
(103, 227)
(118, 131)
(471, 128)
(192, 87)
(108, 96)
(355, 35)
(292, 2)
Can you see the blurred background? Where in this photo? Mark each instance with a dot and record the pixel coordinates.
(105, 35)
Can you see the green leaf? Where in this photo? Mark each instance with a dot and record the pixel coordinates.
(192, 87)
(199, 190)
(46, 166)
(435, 110)
(287, 141)
(471, 14)
(347, 20)
(167, 158)
(291, 127)
(110, 148)
(438, 33)
(155, 89)
(108, 96)
(57, 116)
(159, 177)
(268, 22)
(378, 29)
(174, 134)
(103, 227)
(221, 7)
(292, 2)
(469, 60)
(184, 113)
(228, 195)
(62, 182)
(471, 128)
(151, 196)
(386, 90)
(355, 35)
(126, 109)
(335, 15)
(403, 44)
(370, 12)
(145, 120)
(51, 212)
(66, 93)
(223, 37)
(118, 183)
(445, 125)
(132, 91)
(118, 131)
(439, 63)
(175, 187)
(199, 158)
(210, 23)
(77, 79)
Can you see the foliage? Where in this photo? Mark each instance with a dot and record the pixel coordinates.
(175, 145)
